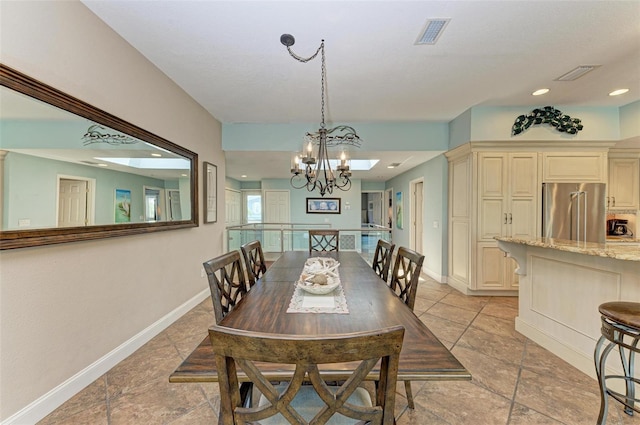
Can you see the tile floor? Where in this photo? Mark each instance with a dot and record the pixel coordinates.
(515, 381)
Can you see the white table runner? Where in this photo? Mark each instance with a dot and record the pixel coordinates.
(304, 302)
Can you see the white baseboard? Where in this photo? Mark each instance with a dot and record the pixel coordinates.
(581, 361)
(435, 276)
(38, 409)
(576, 359)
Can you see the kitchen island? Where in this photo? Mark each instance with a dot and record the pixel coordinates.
(561, 285)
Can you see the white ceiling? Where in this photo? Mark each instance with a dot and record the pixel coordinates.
(228, 57)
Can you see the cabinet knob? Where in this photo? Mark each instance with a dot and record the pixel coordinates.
(510, 218)
(614, 200)
(505, 218)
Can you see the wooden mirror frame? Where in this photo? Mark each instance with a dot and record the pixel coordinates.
(11, 239)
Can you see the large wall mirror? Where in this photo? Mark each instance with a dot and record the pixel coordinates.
(71, 172)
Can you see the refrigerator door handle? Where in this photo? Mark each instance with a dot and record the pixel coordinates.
(580, 215)
(574, 216)
(584, 214)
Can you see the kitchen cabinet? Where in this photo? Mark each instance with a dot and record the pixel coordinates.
(624, 184)
(491, 194)
(570, 167)
(495, 191)
(508, 205)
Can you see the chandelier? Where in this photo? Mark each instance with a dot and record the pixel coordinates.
(315, 172)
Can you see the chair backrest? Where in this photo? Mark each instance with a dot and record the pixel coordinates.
(254, 261)
(382, 258)
(323, 240)
(238, 347)
(405, 275)
(226, 281)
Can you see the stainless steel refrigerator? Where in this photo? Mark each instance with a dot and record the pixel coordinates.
(574, 211)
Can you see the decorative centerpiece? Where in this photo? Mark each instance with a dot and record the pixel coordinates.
(319, 275)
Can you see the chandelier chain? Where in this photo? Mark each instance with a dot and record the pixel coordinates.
(316, 173)
(323, 78)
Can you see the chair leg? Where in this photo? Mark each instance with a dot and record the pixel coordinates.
(407, 389)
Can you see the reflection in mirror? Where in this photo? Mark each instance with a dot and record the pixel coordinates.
(86, 170)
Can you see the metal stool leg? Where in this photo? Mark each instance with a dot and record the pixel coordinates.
(615, 333)
(600, 360)
(628, 374)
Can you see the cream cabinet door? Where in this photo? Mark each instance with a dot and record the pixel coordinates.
(624, 183)
(507, 206)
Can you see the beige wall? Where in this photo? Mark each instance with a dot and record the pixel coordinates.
(64, 307)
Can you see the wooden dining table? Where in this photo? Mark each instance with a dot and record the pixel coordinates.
(371, 305)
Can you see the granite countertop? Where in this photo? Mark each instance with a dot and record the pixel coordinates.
(615, 250)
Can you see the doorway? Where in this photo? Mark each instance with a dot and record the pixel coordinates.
(154, 204)
(174, 208)
(416, 219)
(372, 216)
(388, 194)
(75, 201)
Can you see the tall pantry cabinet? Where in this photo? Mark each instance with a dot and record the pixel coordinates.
(492, 193)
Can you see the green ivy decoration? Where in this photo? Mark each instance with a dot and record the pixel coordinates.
(547, 115)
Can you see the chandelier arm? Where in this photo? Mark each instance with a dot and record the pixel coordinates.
(304, 182)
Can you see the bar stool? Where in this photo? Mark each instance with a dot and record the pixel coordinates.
(621, 326)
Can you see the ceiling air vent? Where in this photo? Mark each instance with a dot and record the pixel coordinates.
(433, 31)
(576, 73)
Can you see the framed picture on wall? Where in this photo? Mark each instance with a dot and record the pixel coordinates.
(399, 210)
(210, 204)
(123, 206)
(323, 205)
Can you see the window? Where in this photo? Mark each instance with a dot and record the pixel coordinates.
(252, 207)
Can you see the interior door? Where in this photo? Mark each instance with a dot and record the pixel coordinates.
(72, 203)
(233, 217)
(417, 195)
(276, 210)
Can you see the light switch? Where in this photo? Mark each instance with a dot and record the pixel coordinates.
(436, 224)
(25, 222)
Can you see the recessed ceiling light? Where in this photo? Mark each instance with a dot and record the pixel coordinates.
(102, 165)
(244, 176)
(540, 92)
(183, 175)
(156, 154)
(391, 166)
(618, 92)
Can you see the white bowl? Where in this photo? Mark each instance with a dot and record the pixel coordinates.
(314, 288)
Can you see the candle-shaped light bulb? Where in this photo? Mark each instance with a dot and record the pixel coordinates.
(343, 159)
(309, 148)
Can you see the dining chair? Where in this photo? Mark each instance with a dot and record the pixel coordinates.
(382, 258)
(323, 240)
(226, 281)
(404, 283)
(253, 261)
(291, 401)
